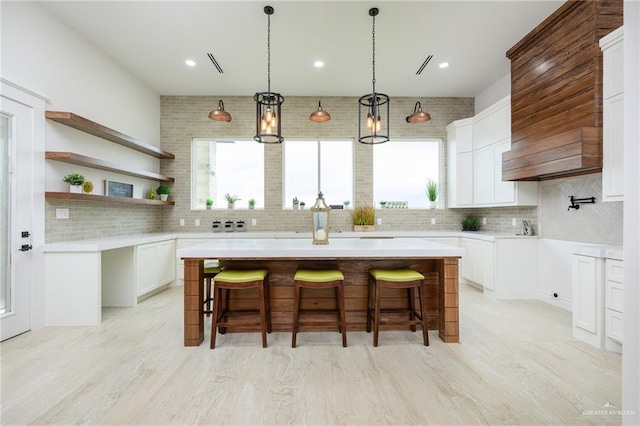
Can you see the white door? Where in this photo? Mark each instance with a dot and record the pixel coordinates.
(16, 195)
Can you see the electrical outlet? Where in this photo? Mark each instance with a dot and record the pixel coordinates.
(433, 220)
(254, 222)
(379, 221)
(484, 220)
(514, 222)
(197, 222)
(62, 213)
(181, 222)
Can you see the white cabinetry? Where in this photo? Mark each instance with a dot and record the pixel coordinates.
(588, 291)
(477, 262)
(506, 268)
(475, 169)
(460, 153)
(613, 296)
(492, 137)
(155, 266)
(612, 111)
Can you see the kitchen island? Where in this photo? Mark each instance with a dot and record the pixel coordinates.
(353, 256)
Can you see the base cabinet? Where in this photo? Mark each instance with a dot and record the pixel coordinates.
(155, 266)
(613, 299)
(597, 301)
(506, 268)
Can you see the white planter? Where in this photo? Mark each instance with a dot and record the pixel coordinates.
(231, 205)
(433, 204)
(163, 197)
(76, 189)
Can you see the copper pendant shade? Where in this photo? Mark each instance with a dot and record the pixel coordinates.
(220, 114)
(319, 115)
(418, 115)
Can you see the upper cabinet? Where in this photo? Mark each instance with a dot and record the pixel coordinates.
(612, 112)
(475, 161)
(556, 93)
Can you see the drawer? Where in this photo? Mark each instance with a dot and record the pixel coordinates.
(613, 324)
(613, 296)
(614, 270)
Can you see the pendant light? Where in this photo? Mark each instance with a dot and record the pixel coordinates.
(268, 104)
(373, 108)
(220, 114)
(319, 115)
(418, 115)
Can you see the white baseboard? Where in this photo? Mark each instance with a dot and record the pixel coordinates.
(560, 302)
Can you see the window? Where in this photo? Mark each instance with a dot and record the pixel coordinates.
(310, 166)
(220, 167)
(401, 170)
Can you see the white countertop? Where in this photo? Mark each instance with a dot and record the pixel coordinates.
(110, 243)
(600, 251)
(303, 248)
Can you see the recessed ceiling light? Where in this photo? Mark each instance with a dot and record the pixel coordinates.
(444, 65)
(318, 64)
(190, 62)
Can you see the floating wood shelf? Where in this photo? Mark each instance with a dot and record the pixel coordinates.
(103, 198)
(80, 123)
(81, 160)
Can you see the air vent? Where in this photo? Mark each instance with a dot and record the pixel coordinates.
(215, 63)
(424, 64)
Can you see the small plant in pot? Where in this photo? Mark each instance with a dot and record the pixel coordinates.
(469, 224)
(295, 203)
(231, 200)
(163, 191)
(75, 181)
(364, 218)
(252, 203)
(209, 203)
(302, 204)
(346, 204)
(432, 193)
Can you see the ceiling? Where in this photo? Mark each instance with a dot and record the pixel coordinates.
(152, 40)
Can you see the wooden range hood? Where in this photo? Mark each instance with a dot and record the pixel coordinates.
(556, 93)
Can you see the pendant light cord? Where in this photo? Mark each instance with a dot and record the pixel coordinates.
(269, 53)
(373, 62)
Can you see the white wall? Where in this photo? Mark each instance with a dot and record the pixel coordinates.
(43, 55)
(493, 93)
(631, 347)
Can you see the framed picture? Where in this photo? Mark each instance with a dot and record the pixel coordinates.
(118, 189)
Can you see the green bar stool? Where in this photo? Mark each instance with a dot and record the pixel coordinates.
(211, 269)
(240, 280)
(330, 278)
(397, 279)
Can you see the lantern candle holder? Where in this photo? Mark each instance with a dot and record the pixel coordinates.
(320, 220)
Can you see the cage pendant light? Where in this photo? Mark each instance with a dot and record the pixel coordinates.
(373, 108)
(268, 104)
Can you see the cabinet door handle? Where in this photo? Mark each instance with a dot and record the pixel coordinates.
(26, 247)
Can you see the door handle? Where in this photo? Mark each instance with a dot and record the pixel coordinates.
(26, 247)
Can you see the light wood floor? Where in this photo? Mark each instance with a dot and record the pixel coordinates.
(516, 364)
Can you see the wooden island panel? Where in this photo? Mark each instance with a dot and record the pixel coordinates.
(441, 276)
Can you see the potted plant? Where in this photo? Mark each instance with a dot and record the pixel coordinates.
(231, 200)
(302, 204)
(163, 191)
(295, 203)
(209, 203)
(75, 181)
(469, 224)
(432, 193)
(383, 204)
(252, 203)
(364, 218)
